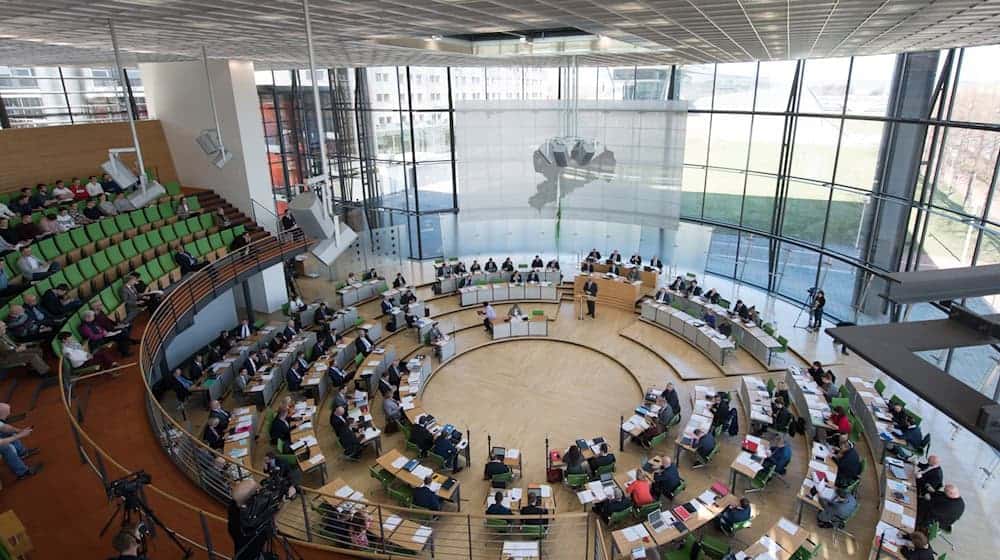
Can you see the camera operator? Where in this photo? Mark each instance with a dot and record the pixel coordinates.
(250, 518)
(126, 544)
(275, 466)
(247, 543)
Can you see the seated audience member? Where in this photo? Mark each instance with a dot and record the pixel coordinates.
(65, 219)
(719, 410)
(399, 281)
(640, 490)
(5, 211)
(23, 326)
(930, 477)
(14, 354)
(392, 408)
(656, 262)
(445, 448)
(712, 295)
(734, 515)
(574, 461)
(537, 262)
(245, 329)
(945, 508)
(350, 439)
(618, 502)
(497, 507)
(340, 398)
(61, 192)
(829, 388)
(239, 242)
(287, 221)
(635, 259)
(106, 207)
(678, 285)
(323, 313)
(490, 265)
(181, 385)
(424, 497)
(494, 467)
(919, 548)
(110, 185)
(34, 268)
(49, 225)
(12, 450)
(594, 255)
(123, 204)
(741, 310)
(221, 220)
(848, 466)
(386, 306)
(899, 416)
(136, 296)
(912, 435)
(839, 419)
(533, 277)
(421, 436)
(781, 455)
(57, 302)
(183, 209)
(79, 357)
(28, 230)
(97, 335)
(781, 419)
(534, 507)
(508, 265)
(666, 414)
(281, 430)
(106, 323)
(667, 479)
(363, 344)
(290, 329)
(662, 296)
(602, 459)
(836, 510)
(338, 378)
(22, 204)
(91, 211)
(649, 433)
(39, 314)
(212, 435)
(670, 394)
(552, 265)
(614, 257)
(475, 267)
(187, 261)
(781, 391)
(294, 377)
(7, 246)
(816, 372)
(93, 187)
(515, 278)
(215, 410)
(704, 443)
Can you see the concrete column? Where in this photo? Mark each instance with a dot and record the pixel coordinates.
(268, 290)
(884, 232)
(177, 94)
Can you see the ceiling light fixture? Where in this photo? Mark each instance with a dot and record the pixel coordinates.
(435, 37)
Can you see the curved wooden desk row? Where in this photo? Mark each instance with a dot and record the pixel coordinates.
(533, 291)
(649, 278)
(451, 283)
(709, 341)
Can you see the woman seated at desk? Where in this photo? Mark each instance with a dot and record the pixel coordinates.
(515, 313)
(574, 461)
(516, 278)
(633, 275)
(677, 284)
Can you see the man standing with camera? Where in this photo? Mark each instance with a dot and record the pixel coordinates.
(126, 544)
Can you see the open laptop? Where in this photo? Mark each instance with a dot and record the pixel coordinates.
(607, 479)
(498, 452)
(656, 520)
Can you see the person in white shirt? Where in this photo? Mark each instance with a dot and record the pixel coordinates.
(65, 219)
(79, 357)
(34, 268)
(5, 211)
(62, 192)
(94, 188)
(489, 315)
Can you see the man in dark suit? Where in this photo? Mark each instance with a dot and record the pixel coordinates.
(215, 410)
(294, 377)
(426, 498)
(399, 281)
(422, 437)
(594, 255)
(780, 456)
(532, 276)
(537, 262)
(445, 448)
(187, 262)
(490, 266)
(290, 330)
(733, 515)
(704, 443)
(497, 507)
(55, 302)
(323, 313)
(656, 263)
(196, 369)
(848, 466)
(603, 459)
(244, 329)
(534, 507)
(281, 430)
(930, 477)
(670, 394)
(494, 467)
(667, 479)
(386, 306)
(350, 439)
(590, 292)
(945, 508)
(363, 345)
(780, 417)
(619, 502)
(337, 376)
(212, 435)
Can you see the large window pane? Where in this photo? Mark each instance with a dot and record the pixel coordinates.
(434, 186)
(765, 143)
(541, 83)
(724, 195)
(730, 141)
(468, 84)
(796, 271)
(734, 86)
(846, 212)
(692, 191)
(968, 158)
(859, 151)
(815, 148)
(652, 82)
(722, 252)
(949, 242)
(752, 264)
(504, 83)
(871, 85)
(774, 85)
(392, 133)
(838, 280)
(696, 140)
(696, 85)
(616, 82)
(824, 84)
(429, 87)
(383, 88)
(805, 211)
(758, 204)
(978, 94)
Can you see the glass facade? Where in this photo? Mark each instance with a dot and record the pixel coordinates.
(59, 95)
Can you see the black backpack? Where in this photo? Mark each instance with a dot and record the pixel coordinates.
(734, 422)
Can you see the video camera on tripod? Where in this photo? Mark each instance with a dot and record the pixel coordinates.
(136, 512)
(257, 529)
(265, 503)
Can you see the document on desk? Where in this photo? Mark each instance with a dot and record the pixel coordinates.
(515, 494)
(585, 496)
(546, 490)
(392, 522)
(422, 472)
(400, 462)
(787, 526)
(239, 452)
(421, 534)
(316, 459)
(893, 507)
(435, 486)
(512, 454)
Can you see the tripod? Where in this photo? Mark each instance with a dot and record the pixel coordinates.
(267, 548)
(133, 504)
(807, 309)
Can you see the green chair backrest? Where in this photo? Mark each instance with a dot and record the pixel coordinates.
(109, 227)
(144, 274)
(914, 416)
(101, 261)
(141, 243)
(879, 386)
(207, 220)
(619, 516)
(192, 248)
(173, 188)
(94, 231)
(227, 236)
(109, 299)
(128, 248)
(154, 268)
(43, 286)
(114, 254)
(166, 210)
(193, 224)
(168, 233)
(181, 229)
(215, 240)
(152, 213)
(88, 269)
(783, 342)
(138, 218)
(47, 247)
(124, 222)
(154, 238)
(167, 262)
(771, 385)
(894, 400)
(576, 480)
(57, 278)
(64, 242)
(203, 246)
(840, 401)
(73, 275)
(80, 236)
(193, 203)
(238, 230)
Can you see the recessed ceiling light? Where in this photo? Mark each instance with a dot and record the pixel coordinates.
(435, 37)
(523, 39)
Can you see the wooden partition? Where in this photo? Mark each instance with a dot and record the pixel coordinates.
(41, 155)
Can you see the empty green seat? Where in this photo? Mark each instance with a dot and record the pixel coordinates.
(64, 242)
(193, 203)
(138, 218)
(73, 275)
(152, 213)
(101, 261)
(116, 286)
(181, 229)
(144, 274)
(110, 299)
(168, 233)
(80, 236)
(141, 243)
(123, 222)
(109, 227)
(128, 248)
(167, 262)
(193, 224)
(207, 220)
(227, 236)
(203, 247)
(94, 232)
(154, 268)
(87, 267)
(47, 248)
(192, 248)
(43, 286)
(57, 278)
(166, 210)
(173, 188)
(239, 230)
(215, 240)
(154, 238)
(114, 254)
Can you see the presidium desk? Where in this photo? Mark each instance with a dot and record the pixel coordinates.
(616, 292)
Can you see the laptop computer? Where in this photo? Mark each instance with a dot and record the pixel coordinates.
(656, 520)
(607, 479)
(498, 452)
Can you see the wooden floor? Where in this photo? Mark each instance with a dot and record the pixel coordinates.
(577, 383)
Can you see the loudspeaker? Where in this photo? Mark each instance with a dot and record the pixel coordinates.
(209, 143)
(559, 153)
(583, 152)
(308, 212)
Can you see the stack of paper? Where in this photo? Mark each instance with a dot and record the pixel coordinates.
(392, 522)
(421, 534)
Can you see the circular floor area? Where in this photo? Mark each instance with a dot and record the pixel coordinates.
(521, 391)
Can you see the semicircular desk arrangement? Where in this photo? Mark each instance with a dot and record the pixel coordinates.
(340, 516)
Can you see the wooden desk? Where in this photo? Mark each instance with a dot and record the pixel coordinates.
(780, 542)
(393, 457)
(517, 498)
(706, 512)
(745, 464)
(614, 292)
(520, 550)
(411, 536)
(649, 278)
(821, 460)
